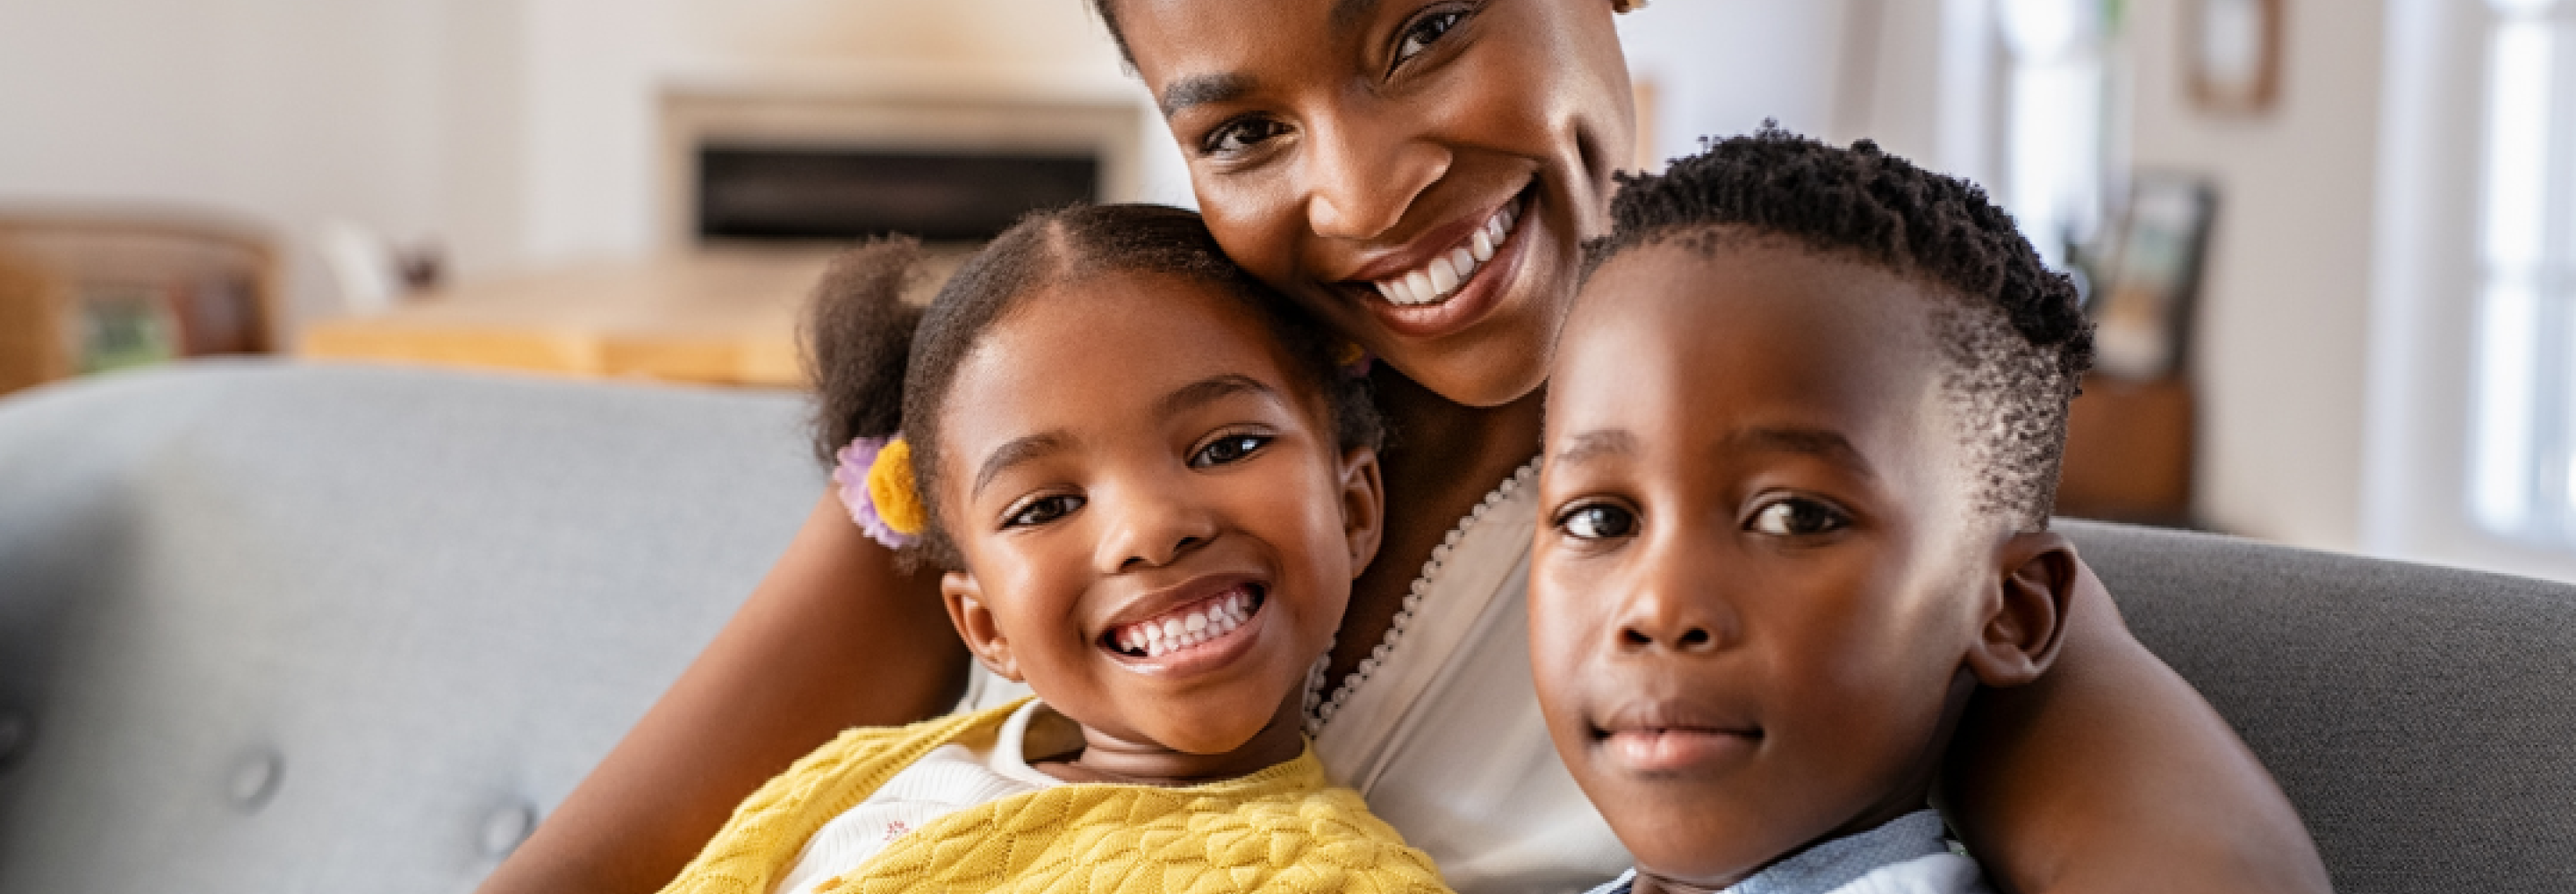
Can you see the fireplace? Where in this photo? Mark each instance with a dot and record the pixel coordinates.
(775, 161)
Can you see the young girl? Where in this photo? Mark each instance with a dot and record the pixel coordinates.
(1150, 487)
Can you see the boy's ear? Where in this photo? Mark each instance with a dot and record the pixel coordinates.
(2035, 579)
(975, 624)
(1363, 506)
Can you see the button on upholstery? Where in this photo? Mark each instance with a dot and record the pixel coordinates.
(505, 828)
(254, 780)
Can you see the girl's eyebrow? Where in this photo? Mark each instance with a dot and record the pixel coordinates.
(1014, 452)
(1210, 390)
(1203, 89)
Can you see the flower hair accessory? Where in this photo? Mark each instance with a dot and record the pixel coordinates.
(1353, 360)
(876, 484)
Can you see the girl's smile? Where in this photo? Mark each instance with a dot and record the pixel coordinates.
(1159, 526)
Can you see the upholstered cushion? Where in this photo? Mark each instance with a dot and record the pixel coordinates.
(276, 627)
(2422, 719)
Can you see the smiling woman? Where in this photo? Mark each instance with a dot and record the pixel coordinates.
(1346, 153)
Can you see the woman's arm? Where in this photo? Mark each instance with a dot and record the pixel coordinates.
(2111, 774)
(834, 637)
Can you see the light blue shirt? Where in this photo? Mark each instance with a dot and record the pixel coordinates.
(1908, 854)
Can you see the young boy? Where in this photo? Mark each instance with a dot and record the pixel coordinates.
(1802, 442)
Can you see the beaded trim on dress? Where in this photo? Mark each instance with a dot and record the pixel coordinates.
(1320, 708)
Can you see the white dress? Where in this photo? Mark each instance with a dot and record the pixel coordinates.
(1439, 729)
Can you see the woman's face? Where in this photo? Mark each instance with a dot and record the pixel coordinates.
(1421, 173)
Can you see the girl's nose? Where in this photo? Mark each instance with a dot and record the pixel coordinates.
(1363, 175)
(1150, 528)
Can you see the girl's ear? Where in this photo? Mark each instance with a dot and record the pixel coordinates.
(975, 624)
(1363, 506)
(2035, 580)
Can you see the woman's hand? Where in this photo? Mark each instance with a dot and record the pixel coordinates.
(834, 637)
(2111, 774)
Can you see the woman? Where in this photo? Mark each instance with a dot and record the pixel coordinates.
(1350, 152)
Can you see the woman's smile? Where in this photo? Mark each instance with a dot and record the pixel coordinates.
(1470, 267)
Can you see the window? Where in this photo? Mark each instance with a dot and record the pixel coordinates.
(2523, 452)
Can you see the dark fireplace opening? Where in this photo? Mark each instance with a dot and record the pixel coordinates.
(805, 193)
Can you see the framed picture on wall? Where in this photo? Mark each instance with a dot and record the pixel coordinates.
(2149, 278)
(2232, 49)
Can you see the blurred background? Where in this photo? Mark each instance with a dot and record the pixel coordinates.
(2327, 242)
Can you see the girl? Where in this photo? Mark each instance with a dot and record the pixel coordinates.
(1150, 489)
(1338, 147)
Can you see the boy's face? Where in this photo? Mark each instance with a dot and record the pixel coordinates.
(1757, 570)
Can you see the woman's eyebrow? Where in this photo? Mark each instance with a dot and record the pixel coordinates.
(1209, 390)
(1202, 89)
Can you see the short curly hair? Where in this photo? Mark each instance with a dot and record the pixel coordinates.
(2015, 341)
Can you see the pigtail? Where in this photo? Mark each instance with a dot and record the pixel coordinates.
(858, 336)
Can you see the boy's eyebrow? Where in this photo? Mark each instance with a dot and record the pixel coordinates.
(1821, 443)
(1014, 452)
(1597, 443)
(1210, 390)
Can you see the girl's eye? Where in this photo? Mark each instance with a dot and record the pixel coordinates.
(1241, 135)
(1227, 449)
(1426, 31)
(1797, 517)
(1597, 521)
(1042, 510)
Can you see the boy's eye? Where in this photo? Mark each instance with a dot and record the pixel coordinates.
(1425, 31)
(1597, 521)
(1042, 510)
(1241, 135)
(1798, 516)
(1226, 449)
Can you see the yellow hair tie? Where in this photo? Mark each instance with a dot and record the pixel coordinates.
(891, 489)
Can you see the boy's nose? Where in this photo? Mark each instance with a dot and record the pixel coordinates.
(1672, 608)
(1151, 529)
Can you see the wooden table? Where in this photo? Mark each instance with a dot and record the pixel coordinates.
(717, 316)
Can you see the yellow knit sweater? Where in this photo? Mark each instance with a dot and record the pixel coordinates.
(1284, 829)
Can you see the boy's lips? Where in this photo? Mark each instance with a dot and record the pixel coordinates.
(1198, 625)
(1665, 737)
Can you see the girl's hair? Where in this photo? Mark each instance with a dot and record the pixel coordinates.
(881, 366)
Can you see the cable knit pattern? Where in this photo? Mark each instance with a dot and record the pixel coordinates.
(1284, 829)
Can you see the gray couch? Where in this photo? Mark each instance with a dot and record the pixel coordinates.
(270, 627)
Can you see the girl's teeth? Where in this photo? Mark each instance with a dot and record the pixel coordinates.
(1208, 622)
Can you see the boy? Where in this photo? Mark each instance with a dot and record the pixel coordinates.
(1802, 443)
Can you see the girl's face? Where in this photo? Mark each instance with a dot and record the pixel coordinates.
(1420, 173)
(1160, 530)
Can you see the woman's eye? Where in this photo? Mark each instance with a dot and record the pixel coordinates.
(1230, 448)
(1042, 510)
(1794, 517)
(1241, 135)
(1598, 521)
(1426, 31)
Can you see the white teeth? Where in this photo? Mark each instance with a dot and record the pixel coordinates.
(1173, 633)
(1444, 278)
(1443, 275)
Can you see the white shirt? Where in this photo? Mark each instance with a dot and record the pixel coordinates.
(948, 779)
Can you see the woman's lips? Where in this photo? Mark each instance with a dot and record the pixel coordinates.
(1469, 300)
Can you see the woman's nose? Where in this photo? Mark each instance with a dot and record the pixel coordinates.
(1150, 527)
(1362, 175)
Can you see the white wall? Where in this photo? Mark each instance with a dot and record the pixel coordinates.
(2283, 328)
